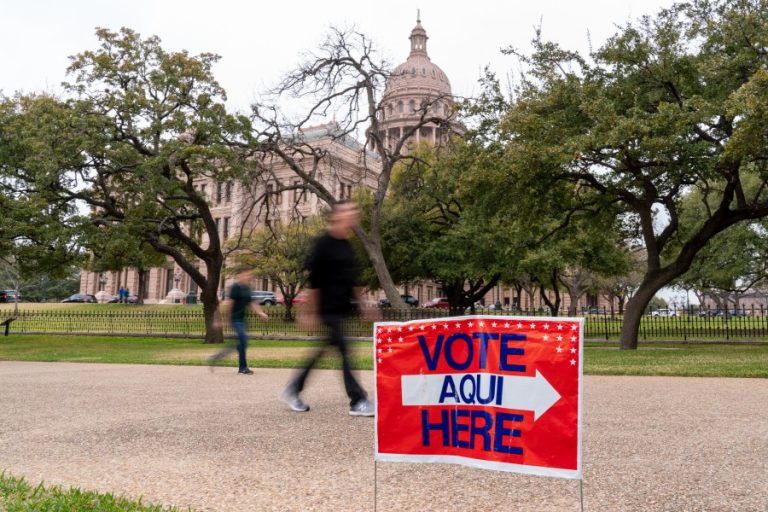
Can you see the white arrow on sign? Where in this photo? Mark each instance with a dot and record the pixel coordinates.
(514, 392)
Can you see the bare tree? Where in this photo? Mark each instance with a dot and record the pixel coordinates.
(344, 78)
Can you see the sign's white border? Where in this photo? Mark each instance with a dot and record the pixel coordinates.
(479, 463)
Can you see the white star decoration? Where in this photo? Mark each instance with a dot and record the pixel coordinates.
(559, 327)
(482, 324)
(410, 328)
(470, 324)
(434, 327)
(573, 362)
(506, 325)
(573, 339)
(533, 326)
(573, 327)
(400, 339)
(519, 325)
(559, 349)
(573, 351)
(546, 327)
(546, 338)
(389, 349)
(559, 338)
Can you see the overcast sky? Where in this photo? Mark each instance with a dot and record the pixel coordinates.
(260, 41)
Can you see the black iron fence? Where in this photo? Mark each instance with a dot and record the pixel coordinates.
(663, 324)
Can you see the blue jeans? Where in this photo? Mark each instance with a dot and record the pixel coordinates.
(336, 338)
(242, 342)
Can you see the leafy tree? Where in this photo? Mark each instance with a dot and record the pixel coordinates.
(672, 102)
(39, 286)
(115, 247)
(619, 288)
(279, 251)
(143, 127)
(431, 230)
(734, 262)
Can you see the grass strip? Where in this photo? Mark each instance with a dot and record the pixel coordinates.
(653, 358)
(17, 495)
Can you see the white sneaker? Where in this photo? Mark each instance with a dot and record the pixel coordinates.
(363, 407)
(291, 398)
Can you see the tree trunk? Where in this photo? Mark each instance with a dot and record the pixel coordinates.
(635, 310)
(211, 306)
(573, 296)
(142, 272)
(454, 292)
(382, 272)
(212, 316)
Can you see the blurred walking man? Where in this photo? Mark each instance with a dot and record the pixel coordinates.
(333, 286)
(235, 307)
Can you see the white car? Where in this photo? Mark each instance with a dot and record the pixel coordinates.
(664, 312)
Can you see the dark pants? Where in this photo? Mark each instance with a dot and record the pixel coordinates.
(242, 343)
(335, 338)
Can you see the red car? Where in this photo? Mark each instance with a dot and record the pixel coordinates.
(440, 302)
(298, 299)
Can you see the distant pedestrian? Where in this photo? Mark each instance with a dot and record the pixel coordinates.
(121, 295)
(234, 308)
(332, 296)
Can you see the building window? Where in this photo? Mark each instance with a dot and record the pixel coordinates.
(400, 107)
(218, 223)
(228, 193)
(203, 192)
(225, 231)
(412, 106)
(218, 192)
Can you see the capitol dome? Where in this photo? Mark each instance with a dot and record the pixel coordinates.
(418, 72)
(415, 85)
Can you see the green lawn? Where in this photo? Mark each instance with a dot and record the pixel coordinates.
(684, 359)
(139, 350)
(17, 495)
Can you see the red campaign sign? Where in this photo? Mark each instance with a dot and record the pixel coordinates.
(494, 392)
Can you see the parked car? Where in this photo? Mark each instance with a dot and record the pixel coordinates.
(439, 302)
(263, 297)
(479, 306)
(664, 312)
(10, 296)
(81, 297)
(409, 300)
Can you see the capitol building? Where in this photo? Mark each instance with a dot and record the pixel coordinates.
(348, 165)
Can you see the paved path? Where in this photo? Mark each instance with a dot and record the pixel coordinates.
(218, 441)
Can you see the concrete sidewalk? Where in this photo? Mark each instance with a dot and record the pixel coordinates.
(218, 441)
